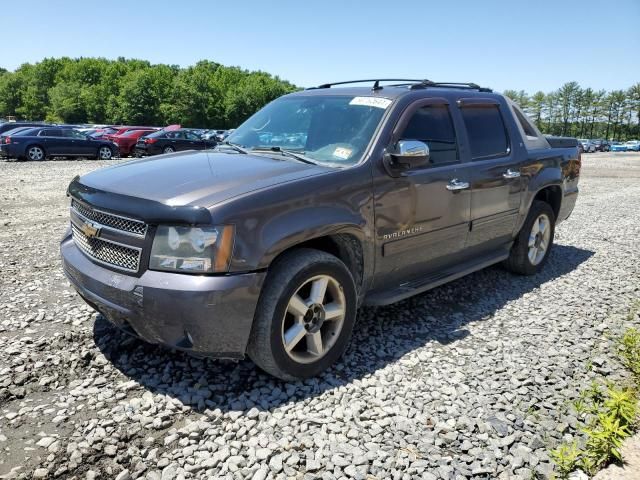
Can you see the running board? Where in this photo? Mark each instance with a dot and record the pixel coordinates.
(423, 284)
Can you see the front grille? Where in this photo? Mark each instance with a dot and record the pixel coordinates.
(129, 225)
(109, 253)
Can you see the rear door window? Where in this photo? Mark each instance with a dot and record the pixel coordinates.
(51, 132)
(432, 125)
(486, 131)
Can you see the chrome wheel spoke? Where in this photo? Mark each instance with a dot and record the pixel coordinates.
(318, 290)
(314, 343)
(296, 306)
(536, 227)
(533, 253)
(532, 240)
(293, 335)
(333, 311)
(542, 225)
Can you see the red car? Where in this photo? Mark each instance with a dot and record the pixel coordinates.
(127, 140)
(122, 130)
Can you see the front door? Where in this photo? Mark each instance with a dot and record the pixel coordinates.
(80, 144)
(422, 217)
(496, 186)
(193, 141)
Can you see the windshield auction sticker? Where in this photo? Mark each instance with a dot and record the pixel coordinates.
(377, 102)
(342, 152)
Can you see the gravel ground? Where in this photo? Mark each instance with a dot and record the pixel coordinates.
(472, 379)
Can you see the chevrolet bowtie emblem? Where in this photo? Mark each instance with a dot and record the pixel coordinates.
(89, 230)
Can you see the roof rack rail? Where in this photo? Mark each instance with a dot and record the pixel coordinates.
(464, 85)
(376, 84)
(415, 84)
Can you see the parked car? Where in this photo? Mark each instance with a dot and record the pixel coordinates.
(171, 141)
(14, 131)
(632, 146)
(127, 141)
(602, 145)
(5, 127)
(123, 130)
(267, 250)
(101, 132)
(618, 147)
(587, 145)
(42, 142)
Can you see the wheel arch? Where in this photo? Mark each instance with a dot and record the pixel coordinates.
(552, 195)
(345, 244)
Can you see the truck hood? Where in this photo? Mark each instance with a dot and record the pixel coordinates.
(197, 178)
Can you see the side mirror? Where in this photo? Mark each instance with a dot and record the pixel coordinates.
(405, 155)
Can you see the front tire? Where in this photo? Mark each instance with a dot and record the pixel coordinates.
(532, 246)
(305, 315)
(105, 153)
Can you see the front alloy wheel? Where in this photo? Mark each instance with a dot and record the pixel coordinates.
(313, 319)
(105, 153)
(305, 315)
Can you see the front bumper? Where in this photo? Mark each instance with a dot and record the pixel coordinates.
(207, 315)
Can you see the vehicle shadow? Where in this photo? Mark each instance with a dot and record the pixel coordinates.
(382, 335)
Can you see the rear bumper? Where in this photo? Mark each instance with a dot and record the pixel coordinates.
(8, 151)
(207, 315)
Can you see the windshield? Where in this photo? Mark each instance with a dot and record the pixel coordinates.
(325, 129)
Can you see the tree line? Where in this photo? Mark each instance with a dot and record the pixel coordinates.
(583, 112)
(136, 92)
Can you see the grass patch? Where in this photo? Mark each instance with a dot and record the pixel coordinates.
(609, 414)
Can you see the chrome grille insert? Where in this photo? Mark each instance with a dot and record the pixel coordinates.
(107, 252)
(115, 222)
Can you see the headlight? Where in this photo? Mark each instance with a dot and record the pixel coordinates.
(192, 249)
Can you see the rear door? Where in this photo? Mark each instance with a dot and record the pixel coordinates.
(176, 140)
(496, 184)
(422, 216)
(52, 140)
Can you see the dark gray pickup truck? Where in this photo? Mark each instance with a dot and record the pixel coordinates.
(324, 200)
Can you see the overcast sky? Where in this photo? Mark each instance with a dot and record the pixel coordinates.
(501, 44)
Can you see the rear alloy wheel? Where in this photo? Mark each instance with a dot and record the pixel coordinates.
(531, 248)
(305, 315)
(35, 153)
(168, 149)
(105, 153)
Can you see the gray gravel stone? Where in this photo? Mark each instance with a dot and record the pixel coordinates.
(471, 378)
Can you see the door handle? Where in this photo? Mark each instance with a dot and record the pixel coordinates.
(511, 174)
(456, 184)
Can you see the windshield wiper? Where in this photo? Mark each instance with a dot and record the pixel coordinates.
(233, 146)
(288, 153)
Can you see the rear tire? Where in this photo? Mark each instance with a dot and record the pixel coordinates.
(168, 149)
(532, 246)
(35, 154)
(294, 336)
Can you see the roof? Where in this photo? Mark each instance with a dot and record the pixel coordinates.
(399, 90)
